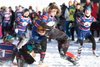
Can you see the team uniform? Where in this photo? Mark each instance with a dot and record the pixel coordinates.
(21, 29)
(22, 24)
(60, 36)
(38, 39)
(84, 31)
(7, 52)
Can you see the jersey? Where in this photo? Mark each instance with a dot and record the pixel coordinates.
(22, 23)
(45, 18)
(84, 27)
(6, 51)
(85, 23)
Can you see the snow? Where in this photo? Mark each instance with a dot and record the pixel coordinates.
(87, 58)
(53, 58)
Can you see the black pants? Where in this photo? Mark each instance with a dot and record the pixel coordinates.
(43, 48)
(72, 29)
(91, 38)
(61, 38)
(63, 44)
(72, 33)
(7, 29)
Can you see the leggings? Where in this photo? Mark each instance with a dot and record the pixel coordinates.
(91, 38)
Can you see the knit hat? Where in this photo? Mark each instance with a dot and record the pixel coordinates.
(88, 8)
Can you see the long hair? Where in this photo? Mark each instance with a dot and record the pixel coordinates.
(53, 6)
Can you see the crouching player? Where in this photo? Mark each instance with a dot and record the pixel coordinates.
(84, 30)
(40, 40)
(36, 44)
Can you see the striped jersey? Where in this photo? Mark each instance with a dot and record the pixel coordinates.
(45, 18)
(85, 23)
(6, 51)
(22, 23)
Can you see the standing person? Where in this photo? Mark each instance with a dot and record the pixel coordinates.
(94, 26)
(77, 15)
(84, 30)
(67, 23)
(72, 19)
(6, 21)
(62, 18)
(21, 27)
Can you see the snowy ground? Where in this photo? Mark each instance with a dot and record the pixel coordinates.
(87, 59)
(53, 58)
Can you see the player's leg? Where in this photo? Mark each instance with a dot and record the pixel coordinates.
(63, 45)
(81, 38)
(80, 48)
(43, 50)
(91, 38)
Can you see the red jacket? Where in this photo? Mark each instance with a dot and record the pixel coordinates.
(95, 8)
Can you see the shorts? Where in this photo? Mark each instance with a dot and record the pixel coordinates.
(21, 34)
(84, 34)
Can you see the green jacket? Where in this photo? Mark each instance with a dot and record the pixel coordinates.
(71, 13)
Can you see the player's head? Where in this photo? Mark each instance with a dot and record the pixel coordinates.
(41, 30)
(53, 10)
(88, 11)
(26, 12)
(78, 6)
